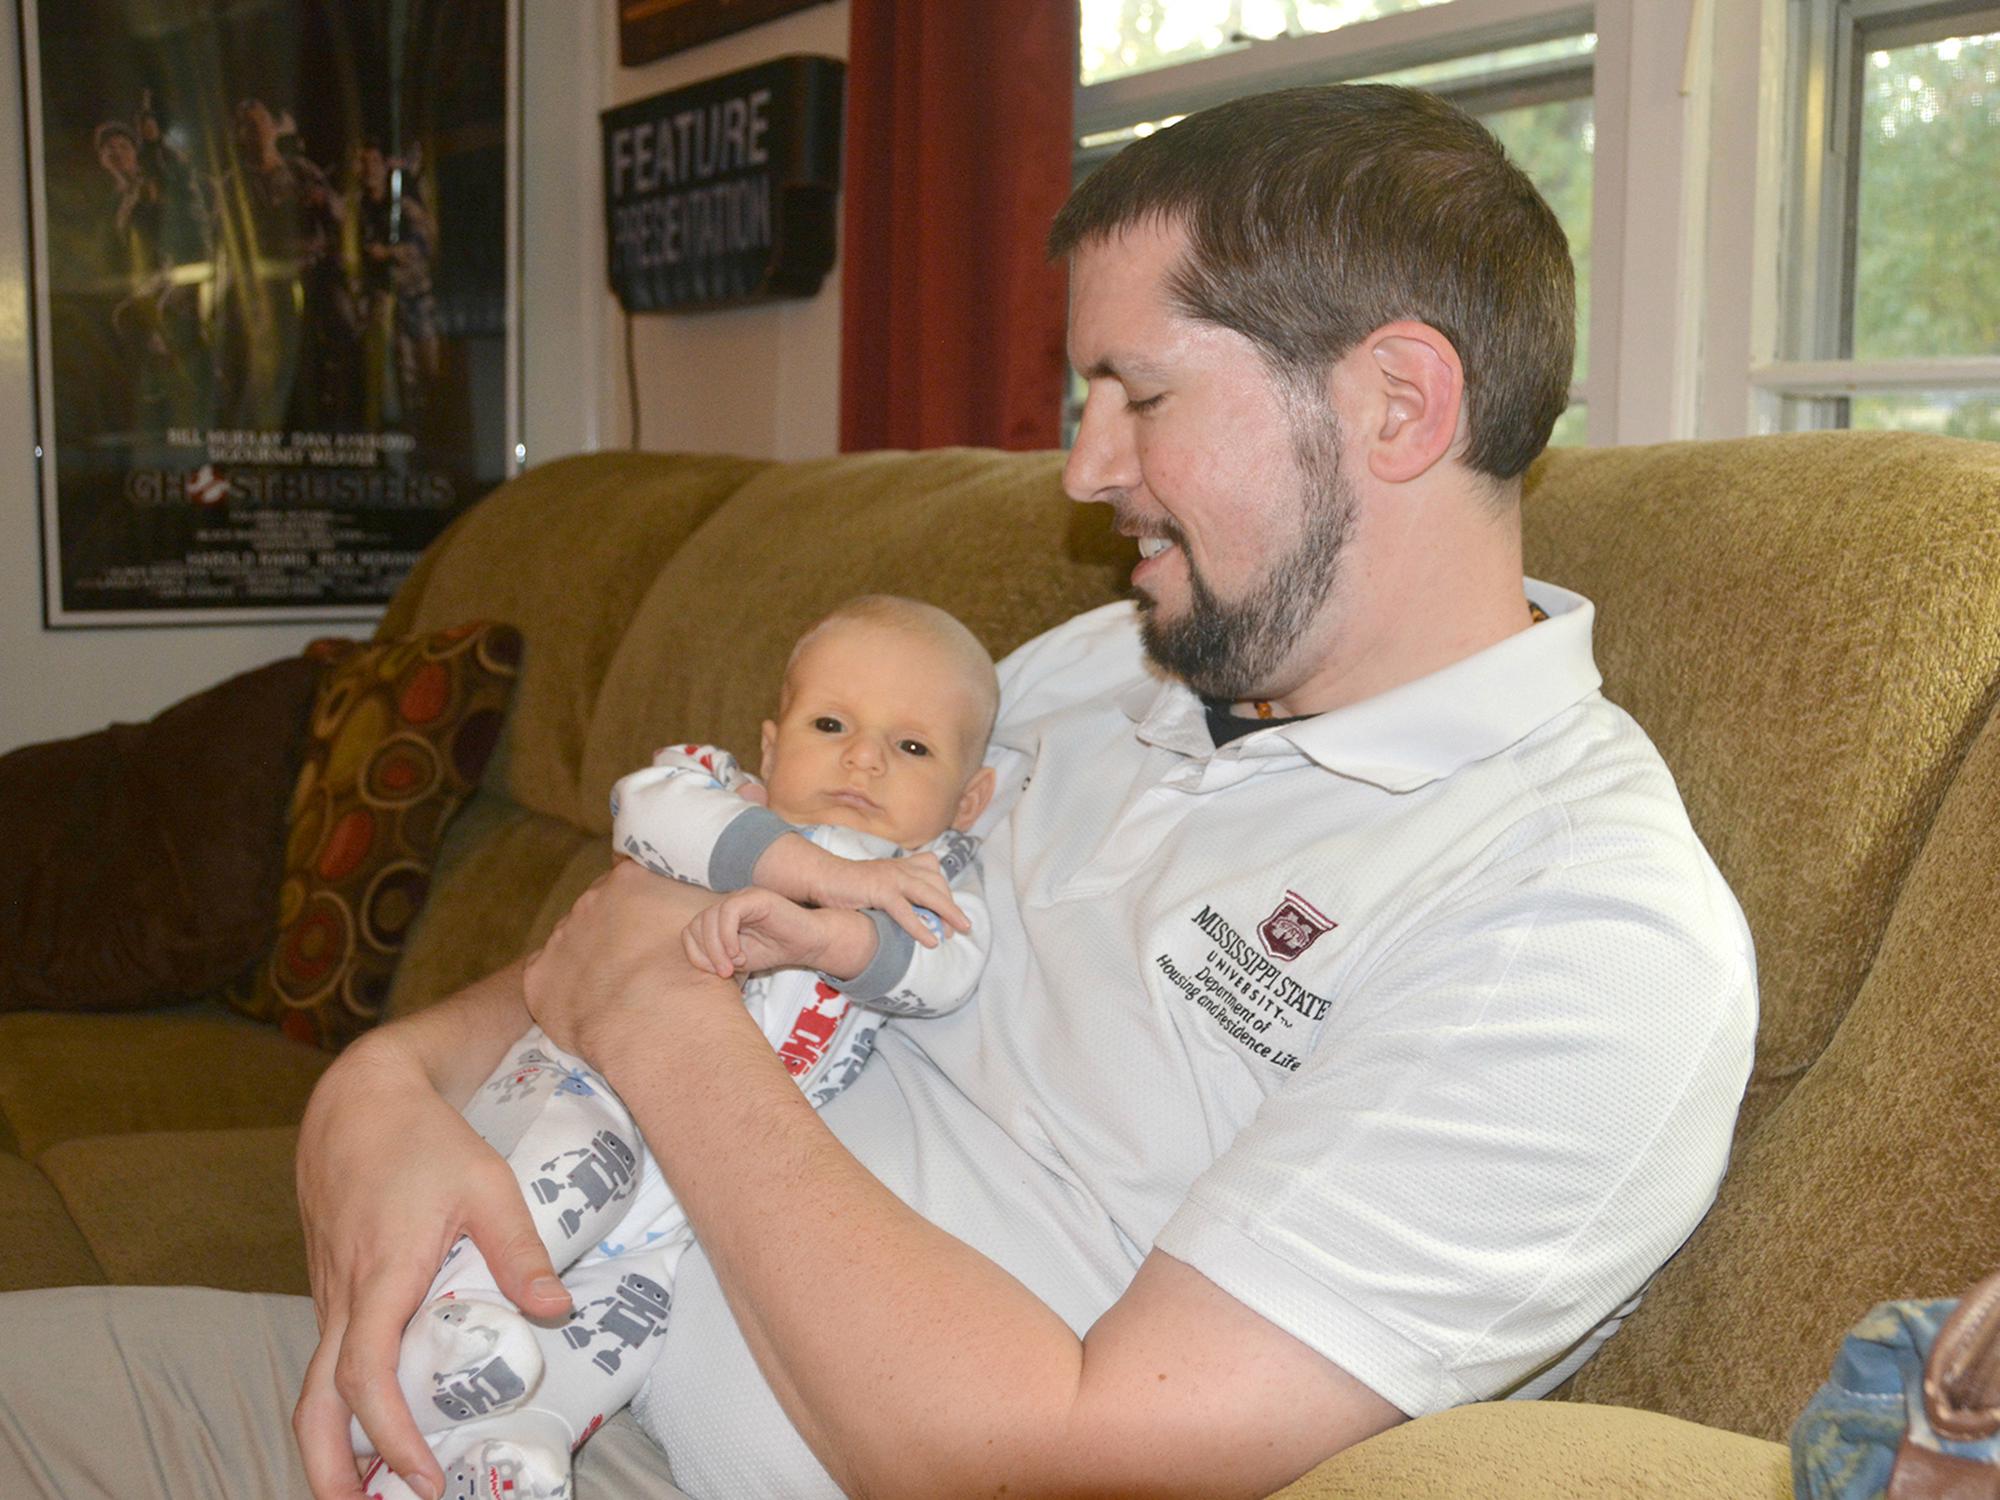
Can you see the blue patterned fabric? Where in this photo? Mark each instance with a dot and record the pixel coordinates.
(1844, 1443)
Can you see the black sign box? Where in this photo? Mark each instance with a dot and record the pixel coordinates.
(723, 193)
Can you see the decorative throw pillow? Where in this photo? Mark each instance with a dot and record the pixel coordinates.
(142, 861)
(400, 732)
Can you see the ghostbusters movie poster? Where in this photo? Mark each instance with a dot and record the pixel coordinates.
(272, 250)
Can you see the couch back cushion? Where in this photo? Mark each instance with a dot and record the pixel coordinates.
(564, 553)
(498, 863)
(1809, 628)
(1871, 1180)
(986, 535)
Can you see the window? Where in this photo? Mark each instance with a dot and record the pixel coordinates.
(1890, 295)
(1783, 211)
(1535, 94)
(1122, 37)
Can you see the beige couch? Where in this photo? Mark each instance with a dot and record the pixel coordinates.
(1809, 626)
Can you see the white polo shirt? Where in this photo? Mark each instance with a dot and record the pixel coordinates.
(1419, 1027)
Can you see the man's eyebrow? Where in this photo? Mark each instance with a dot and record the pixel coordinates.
(1106, 367)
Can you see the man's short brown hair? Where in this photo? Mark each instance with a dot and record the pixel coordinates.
(1316, 215)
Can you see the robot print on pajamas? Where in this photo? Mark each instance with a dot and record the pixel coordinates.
(624, 1319)
(717, 770)
(825, 1042)
(480, 1385)
(531, 1067)
(602, 1172)
(508, 1478)
(492, 1472)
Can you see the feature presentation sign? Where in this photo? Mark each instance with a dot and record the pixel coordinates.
(723, 193)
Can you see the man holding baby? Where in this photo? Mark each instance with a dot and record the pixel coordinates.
(1363, 1022)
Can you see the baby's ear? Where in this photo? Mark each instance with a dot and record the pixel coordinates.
(972, 801)
(768, 742)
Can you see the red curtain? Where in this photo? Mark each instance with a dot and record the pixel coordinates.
(958, 156)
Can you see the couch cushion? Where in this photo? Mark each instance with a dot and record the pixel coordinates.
(42, 1246)
(1535, 1450)
(142, 860)
(195, 1068)
(565, 552)
(986, 535)
(187, 1208)
(498, 864)
(1873, 1178)
(591, 860)
(1809, 628)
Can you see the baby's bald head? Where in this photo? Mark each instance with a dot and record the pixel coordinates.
(936, 632)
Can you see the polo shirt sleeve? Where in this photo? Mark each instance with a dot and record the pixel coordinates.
(1510, 1119)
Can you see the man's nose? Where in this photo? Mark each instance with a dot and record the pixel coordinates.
(1103, 462)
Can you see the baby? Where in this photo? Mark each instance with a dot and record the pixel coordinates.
(847, 862)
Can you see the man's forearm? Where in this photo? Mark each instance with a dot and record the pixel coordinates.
(934, 1372)
(928, 1324)
(459, 1041)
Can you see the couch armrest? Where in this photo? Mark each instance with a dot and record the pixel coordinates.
(1528, 1450)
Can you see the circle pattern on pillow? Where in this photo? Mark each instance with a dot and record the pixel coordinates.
(400, 733)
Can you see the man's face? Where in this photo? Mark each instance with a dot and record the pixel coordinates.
(118, 156)
(254, 126)
(1229, 476)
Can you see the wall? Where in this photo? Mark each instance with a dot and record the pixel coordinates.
(761, 381)
(756, 380)
(64, 682)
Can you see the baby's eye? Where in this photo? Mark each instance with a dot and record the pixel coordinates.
(913, 747)
(827, 724)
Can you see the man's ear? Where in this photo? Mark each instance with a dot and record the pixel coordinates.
(1414, 390)
(767, 747)
(972, 801)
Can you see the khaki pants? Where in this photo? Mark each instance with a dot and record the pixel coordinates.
(185, 1393)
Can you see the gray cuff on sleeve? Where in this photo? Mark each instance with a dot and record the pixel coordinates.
(893, 948)
(742, 844)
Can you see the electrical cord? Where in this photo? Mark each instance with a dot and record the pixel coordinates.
(631, 384)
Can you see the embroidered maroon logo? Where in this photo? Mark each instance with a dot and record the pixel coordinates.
(1294, 927)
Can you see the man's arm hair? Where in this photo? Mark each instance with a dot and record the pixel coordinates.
(1178, 1389)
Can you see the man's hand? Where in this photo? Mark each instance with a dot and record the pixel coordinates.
(611, 964)
(802, 871)
(753, 929)
(389, 1177)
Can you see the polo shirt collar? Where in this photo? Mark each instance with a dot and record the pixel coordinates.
(1420, 731)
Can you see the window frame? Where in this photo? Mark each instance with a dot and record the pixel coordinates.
(1694, 101)
(1640, 242)
(1807, 348)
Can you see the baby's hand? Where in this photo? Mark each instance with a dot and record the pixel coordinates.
(754, 929)
(800, 870)
(895, 886)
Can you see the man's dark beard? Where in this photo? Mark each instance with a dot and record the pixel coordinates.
(1229, 651)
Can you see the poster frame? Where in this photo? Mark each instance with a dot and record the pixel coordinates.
(41, 362)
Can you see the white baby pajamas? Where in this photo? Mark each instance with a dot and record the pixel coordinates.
(504, 1401)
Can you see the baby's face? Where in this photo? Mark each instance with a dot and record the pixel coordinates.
(877, 735)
